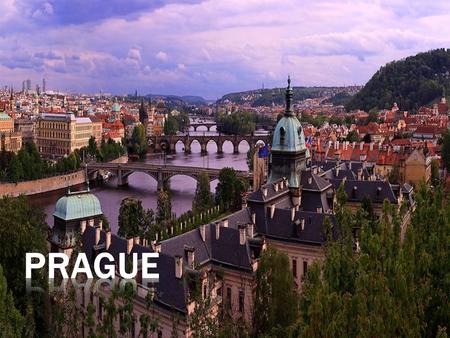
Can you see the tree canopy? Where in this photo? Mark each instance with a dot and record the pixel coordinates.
(411, 82)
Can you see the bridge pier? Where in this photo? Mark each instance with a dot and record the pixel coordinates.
(187, 149)
(220, 148)
(235, 148)
(204, 151)
(121, 179)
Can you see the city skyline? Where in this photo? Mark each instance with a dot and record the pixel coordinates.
(210, 48)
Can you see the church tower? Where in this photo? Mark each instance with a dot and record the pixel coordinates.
(289, 148)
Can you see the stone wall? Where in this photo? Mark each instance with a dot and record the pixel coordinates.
(43, 185)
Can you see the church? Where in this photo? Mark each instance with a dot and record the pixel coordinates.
(221, 258)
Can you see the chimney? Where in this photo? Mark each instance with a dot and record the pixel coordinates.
(302, 224)
(82, 227)
(217, 225)
(254, 218)
(178, 267)
(97, 235)
(282, 183)
(250, 230)
(225, 223)
(242, 233)
(190, 253)
(272, 210)
(275, 187)
(371, 146)
(292, 214)
(264, 191)
(129, 245)
(361, 145)
(108, 240)
(156, 246)
(202, 229)
(353, 145)
(136, 240)
(337, 171)
(100, 224)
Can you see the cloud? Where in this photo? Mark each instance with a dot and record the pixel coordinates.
(212, 47)
(162, 56)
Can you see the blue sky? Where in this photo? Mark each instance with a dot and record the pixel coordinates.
(212, 47)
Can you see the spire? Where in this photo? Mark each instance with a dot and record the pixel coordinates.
(289, 96)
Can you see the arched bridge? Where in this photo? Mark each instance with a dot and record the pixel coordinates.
(207, 124)
(167, 143)
(161, 173)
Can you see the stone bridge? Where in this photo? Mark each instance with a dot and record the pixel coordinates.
(207, 124)
(167, 143)
(161, 173)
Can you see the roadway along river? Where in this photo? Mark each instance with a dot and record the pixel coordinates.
(143, 187)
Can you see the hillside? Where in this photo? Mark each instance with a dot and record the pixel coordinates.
(411, 82)
(265, 97)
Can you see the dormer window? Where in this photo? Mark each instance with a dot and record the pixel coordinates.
(282, 136)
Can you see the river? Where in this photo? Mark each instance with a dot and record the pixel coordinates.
(143, 186)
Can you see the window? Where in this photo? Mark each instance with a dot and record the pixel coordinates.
(228, 298)
(294, 267)
(241, 301)
(282, 136)
(305, 267)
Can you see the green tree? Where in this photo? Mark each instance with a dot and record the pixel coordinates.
(446, 149)
(275, 301)
(171, 125)
(16, 172)
(92, 147)
(352, 136)
(23, 229)
(134, 220)
(164, 206)
(229, 189)
(435, 177)
(203, 199)
(138, 143)
(11, 321)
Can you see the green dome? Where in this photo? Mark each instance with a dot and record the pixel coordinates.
(77, 206)
(293, 139)
(116, 107)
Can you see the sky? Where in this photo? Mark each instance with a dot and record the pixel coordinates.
(212, 47)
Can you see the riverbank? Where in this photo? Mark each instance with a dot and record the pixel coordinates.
(49, 184)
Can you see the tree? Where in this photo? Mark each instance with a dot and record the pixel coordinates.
(275, 302)
(170, 125)
(446, 149)
(229, 189)
(11, 320)
(435, 176)
(352, 136)
(164, 206)
(92, 147)
(394, 176)
(137, 145)
(16, 173)
(250, 154)
(203, 199)
(23, 229)
(134, 220)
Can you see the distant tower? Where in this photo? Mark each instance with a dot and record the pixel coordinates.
(28, 82)
(143, 115)
(288, 148)
(44, 85)
(11, 99)
(443, 99)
